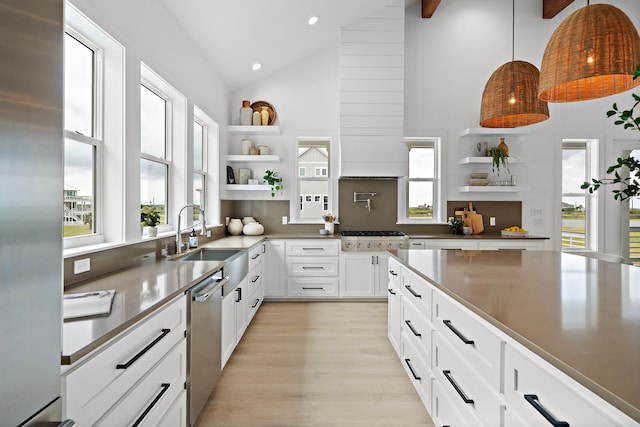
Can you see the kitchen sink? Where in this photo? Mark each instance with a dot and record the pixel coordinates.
(211, 255)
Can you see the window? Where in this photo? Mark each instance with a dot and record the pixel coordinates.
(199, 168)
(313, 155)
(94, 131)
(154, 162)
(419, 193)
(205, 167)
(577, 205)
(82, 143)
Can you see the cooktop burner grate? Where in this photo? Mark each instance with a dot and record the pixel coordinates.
(373, 233)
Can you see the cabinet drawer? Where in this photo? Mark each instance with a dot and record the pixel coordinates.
(460, 381)
(395, 269)
(516, 244)
(254, 280)
(255, 256)
(445, 413)
(531, 390)
(470, 337)
(300, 266)
(418, 371)
(176, 415)
(457, 243)
(92, 387)
(416, 244)
(147, 402)
(312, 287)
(418, 291)
(417, 329)
(313, 247)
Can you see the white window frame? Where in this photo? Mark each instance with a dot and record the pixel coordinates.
(211, 166)
(591, 200)
(439, 200)
(109, 133)
(302, 171)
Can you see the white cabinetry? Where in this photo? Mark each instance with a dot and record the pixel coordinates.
(394, 305)
(137, 376)
(312, 268)
(275, 278)
(363, 274)
(255, 280)
(463, 243)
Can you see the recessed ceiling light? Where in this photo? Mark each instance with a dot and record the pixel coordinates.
(256, 66)
(313, 20)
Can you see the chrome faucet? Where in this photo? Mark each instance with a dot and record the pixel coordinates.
(202, 233)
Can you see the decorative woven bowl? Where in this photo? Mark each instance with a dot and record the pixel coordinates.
(479, 181)
(479, 175)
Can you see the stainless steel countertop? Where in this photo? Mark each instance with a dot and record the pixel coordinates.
(579, 314)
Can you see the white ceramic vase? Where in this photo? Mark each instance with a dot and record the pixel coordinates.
(247, 219)
(329, 227)
(253, 229)
(235, 227)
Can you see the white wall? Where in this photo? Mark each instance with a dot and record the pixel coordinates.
(449, 58)
(150, 34)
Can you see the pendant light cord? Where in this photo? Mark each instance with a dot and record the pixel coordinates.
(513, 30)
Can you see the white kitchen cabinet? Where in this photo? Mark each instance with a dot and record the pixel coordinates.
(153, 348)
(234, 319)
(255, 280)
(463, 243)
(418, 370)
(312, 268)
(459, 243)
(275, 278)
(515, 244)
(363, 274)
(394, 315)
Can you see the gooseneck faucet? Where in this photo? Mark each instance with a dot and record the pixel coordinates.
(202, 233)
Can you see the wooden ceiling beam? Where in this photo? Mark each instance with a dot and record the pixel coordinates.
(550, 8)
(428, 7)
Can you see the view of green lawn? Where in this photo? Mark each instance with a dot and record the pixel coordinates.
(415, 212)
(76, 230)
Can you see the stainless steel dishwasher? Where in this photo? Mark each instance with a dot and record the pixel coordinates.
(205, 324)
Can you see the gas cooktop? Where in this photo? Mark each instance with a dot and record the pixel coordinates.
(374, 233)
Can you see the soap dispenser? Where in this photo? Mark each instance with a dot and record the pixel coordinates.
(193, 239)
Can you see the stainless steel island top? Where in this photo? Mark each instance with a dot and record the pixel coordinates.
(579, 314)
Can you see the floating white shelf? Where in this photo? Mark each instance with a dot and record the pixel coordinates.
(492, 189)
(255, 130)
(253, 158)
(494, 131)
(487, 160)
(243, 187)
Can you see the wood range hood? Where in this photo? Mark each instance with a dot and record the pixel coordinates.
(550, 8)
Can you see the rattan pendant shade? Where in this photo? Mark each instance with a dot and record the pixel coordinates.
(591, 54)
(510, 97)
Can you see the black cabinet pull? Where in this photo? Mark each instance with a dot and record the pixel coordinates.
(416, 333)
(255, 279)
(410, 289)
(391, 291)
(457, 332)
(164, 387)
(255, 256)
(256, 303)
(415, 376)
(393, 273)
(457, 387)
(312, 267)
(312, 288)
(143, 351)
(533, 401)
(239, 294)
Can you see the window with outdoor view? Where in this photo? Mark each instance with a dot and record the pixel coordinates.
(419, 192)
(313, 187)
(576, 202)
(81, 141)
(199, 168)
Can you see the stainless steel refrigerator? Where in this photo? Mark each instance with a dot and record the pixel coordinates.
(31, 185)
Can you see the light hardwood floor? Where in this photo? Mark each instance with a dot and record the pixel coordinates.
(315, 364)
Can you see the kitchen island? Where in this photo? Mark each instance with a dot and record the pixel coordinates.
(580, 315)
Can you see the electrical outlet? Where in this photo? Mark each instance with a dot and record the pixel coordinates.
(81, 265)
(492, 221)
(226, 221)
(208, 233)
(285, 220)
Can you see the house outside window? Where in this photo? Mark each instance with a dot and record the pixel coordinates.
(313, 155)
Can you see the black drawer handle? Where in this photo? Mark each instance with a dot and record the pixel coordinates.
(255, 279)
(310, 288)
(457, 387)
(410, 289)
(391, 291)
(416, 333)
(313, 249)
(312, 267)
(238, 294)
(255, 256)
(256, 303)
(143, 351)
(533, 400)
(393, 273)
(457, 332)
(413, 372)
(164, 387)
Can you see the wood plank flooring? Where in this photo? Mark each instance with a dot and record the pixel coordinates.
(315, 364)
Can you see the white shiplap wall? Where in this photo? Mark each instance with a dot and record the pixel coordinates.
(372, 95)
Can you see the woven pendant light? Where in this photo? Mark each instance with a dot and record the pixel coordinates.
(510, 97)
(591, 54)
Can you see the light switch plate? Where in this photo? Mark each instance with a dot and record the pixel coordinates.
(284, 220)
(81, 265)
(492, 221)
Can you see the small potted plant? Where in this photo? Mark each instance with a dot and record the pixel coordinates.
(149, 219)
(456, 225)
(274, 179)
(498, 157)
